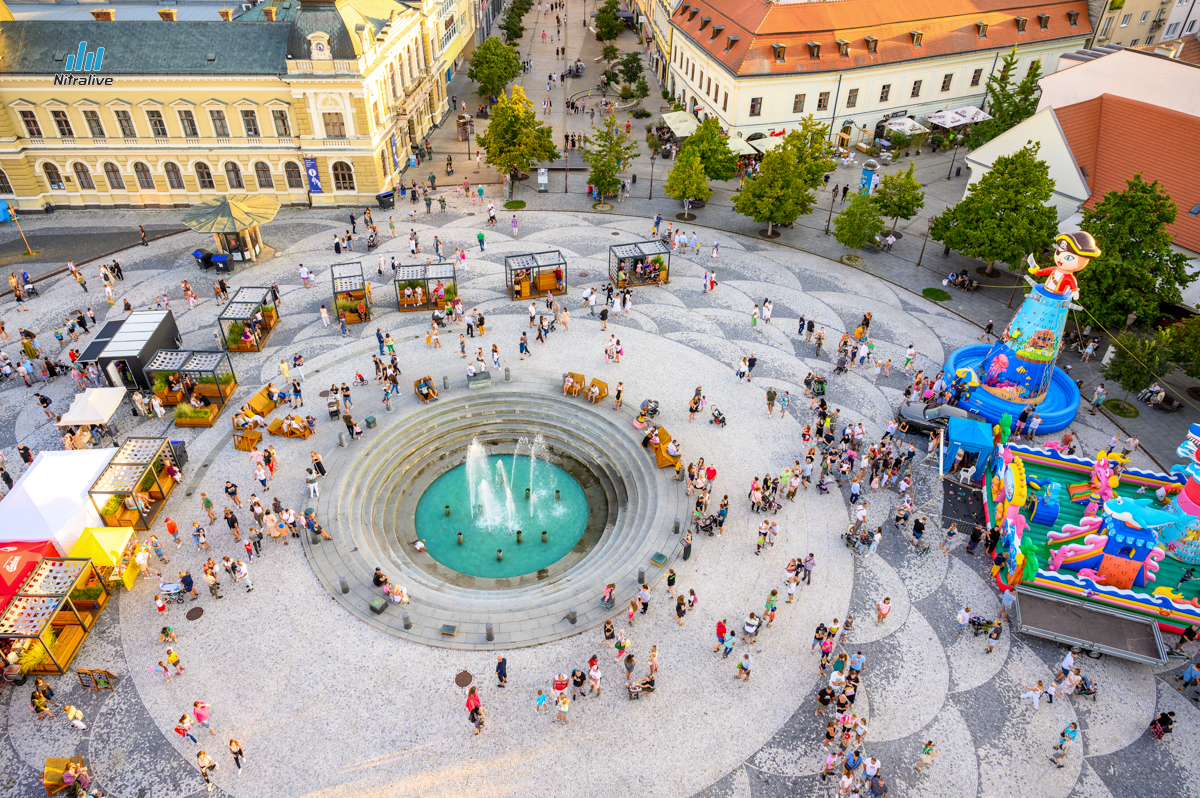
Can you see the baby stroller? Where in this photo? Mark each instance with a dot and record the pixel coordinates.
(818, 387)
(840, 368)
(31, 290)
(771, 503)
(981, 625)
(718, 417)
(439, 318)
(637, 688)
(706, 525)
(1088, 687)
(171, 592)
(649, 408)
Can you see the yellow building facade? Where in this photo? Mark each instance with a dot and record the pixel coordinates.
(318, 104)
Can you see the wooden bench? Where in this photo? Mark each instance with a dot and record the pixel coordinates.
(417, 386)
(1168, 405)
(210, 415)
(578, 382)
(244, 440)
(126, 516)
(52, 776)
(660, 450)
(169, 398)
(261, 402)
(166, 482)
(603, 386)
(277, 428)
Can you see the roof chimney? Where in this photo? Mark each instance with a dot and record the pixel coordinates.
(269, 13)
(104, 14)
(167, 14)
(226, 14)
(1168, 51)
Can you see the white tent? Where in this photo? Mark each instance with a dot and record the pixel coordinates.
(971, 114)
(947, 118)
(740, 147)
(765, 145)
(682, 124)
(50, 500)
(906, 125)
(93, 406)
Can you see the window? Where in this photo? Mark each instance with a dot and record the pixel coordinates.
(294, 178)
(63, 124)
(885, 91)
(174, 178)
(872, 45)
(1125, 20)
(262, 173)
(798, 104)
(730, 41)
(981, 29)
(233, 175)
(1174, 26)
(946, 82)
(1021, 23)
(250, 123)
(780, 53)
(113, 175)
(852, 98)
(843, 48)
(1195, 211)
(5, 186)
(823, 101)
(187, 122)
(1104, 29)
(282, 127)
(1133, 43)
(144, 178)
(93, 122)
(125, 121)
(31, 124)
(383, 163)
(343, 176)
(1073, 18)
(52, 176)
(693, 72)
(725, 102)
(1044, 21)
(814, 51)
(1035, 63)
(708, 90)
(1191, 26)
(335, 128)
(975, 76)
(916, 89)
(220, 126)
(1149, 40)
(83, 177)
(1142, 20)
(756, 106)
(917, 36)
(158, 128)
(204, 176)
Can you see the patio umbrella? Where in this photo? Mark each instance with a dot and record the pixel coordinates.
(971, 114)
(906, 125)
(682, 124)
(230, 213)
(740, 147)
(767, 144)
(947, 118)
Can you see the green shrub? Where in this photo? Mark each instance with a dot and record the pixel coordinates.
(666, 95)
(113, 505)
(626, 91)
(185, 410)
(35, 654)
(348, 305)
(87, 593)
(936, 294)
(160, 381)
(236, 328)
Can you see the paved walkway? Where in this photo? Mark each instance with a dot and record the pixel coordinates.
(285, 663)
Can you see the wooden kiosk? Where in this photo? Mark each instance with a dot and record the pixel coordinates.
(185, 374)
(426, 287)
(640, 263)
(134, 487)
(535, 274)
(351, 292)
(54, 612)
(247, 319)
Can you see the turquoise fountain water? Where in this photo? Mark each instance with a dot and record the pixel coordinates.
(486, 496)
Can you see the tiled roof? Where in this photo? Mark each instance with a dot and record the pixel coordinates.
(1114, 138)
(946, 26)
(1189, 48)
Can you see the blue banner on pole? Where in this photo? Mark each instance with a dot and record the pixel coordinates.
(395, 155)
(314, 175)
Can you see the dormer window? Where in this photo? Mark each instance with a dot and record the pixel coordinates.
(1073, 18)
(779, 51)
(692, 14)
(730, 41)
(872, 45)
(716, 31)
(916, 37)
(1021, 23)
(981, 27)
(814, 50)
(1044, 21)
(704, 21)
(683, 8)
(843, 47)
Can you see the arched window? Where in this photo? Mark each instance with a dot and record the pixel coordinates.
(204, 175)
(174, 178)
(83, 177)
(113, 175)
(5, 186)
(144, 178)
(233, 175)
(262, 173)
(294, 178)
(52, 176)
(343, 177)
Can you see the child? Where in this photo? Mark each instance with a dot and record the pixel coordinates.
(162, 607)
(75, 716)
(692, 599)
(833, 629)
(762, 541)
(848, 626)
(772, 603)
(166, 634)
(541, 703)
(791, 589)
(164, 670)
(173, 659)
(564, 705)
(671, 582)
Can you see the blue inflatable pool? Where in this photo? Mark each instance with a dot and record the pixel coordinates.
(1058, 409)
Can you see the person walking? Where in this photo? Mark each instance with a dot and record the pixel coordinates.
(501, 670)
(202, 713)
(184, 729)
(1066, 737)
(238, 754)
(744, 667)
(207, 766)
(474, 709)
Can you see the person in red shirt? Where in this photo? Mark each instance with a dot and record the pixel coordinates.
(720, 627)
(173, 531)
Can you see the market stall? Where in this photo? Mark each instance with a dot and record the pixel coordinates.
(351, 292)
(535, 274)
(112, 550)
(47, 621)
(247, 319)
(90, 416)
(143, 333)
(201, 383)
(428, 287)
(234, 222)
(640, 263)
(134, 487)
(50, 500)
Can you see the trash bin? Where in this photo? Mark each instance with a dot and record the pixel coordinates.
(180, 449)
(633, 179)
(386, 200)
(203, 258)
(222, 264)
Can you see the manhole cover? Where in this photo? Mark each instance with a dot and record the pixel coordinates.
(581, 274)
(472, 213)
(1194, 393)
(325, 394)
(616, 232)
(194, 613)
(463, 679)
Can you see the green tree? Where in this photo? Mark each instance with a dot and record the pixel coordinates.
(859, 223)
(607, 152)
(641, 91)
(608, 24)
(1138, 270)
(1185, 345)
(510, 23)
(1138, 360)
(899, 196)
(687, 180)
(712, 149)
(493, 66)
(775, 195)
(1004, 216)
(514, 138)
(631, 67)
(809, 147)
(609, 54)
(1008, 105)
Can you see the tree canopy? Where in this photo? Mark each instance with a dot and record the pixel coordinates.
(608, 24)
(899, 196)
(1185, 345)
(630, 67)
(710, 146)
(514, 138)
(859, 223)
(687, 180)
(809, 147)
(1138, 360)
(1008, 102)
(1004, 216)
(1138, 269)
(776, 194)
(607, 151)
(493, 66)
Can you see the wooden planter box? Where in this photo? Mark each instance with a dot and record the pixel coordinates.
(209, 389)
(202, 421)
(169, 398)
(126, 517)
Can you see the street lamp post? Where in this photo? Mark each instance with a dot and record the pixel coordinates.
(652, 155)
(950, 171)
(829, 221)
(928, 229)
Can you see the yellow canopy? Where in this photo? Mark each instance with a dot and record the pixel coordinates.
(230, 213)
(105, 547)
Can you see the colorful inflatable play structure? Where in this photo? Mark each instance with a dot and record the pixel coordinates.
(1097, 531)
(1018, 369)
